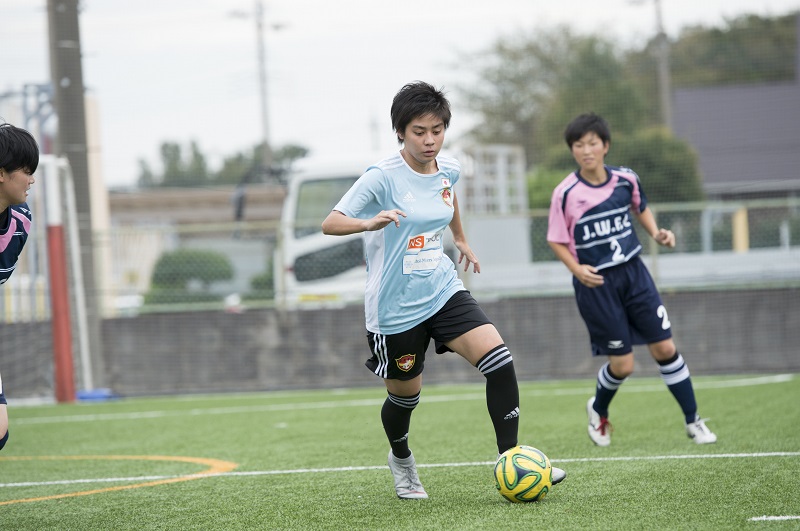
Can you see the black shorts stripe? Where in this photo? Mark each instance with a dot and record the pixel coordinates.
(380, 352)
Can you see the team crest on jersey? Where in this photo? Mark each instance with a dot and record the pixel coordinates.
(447, 197)
(406, 363)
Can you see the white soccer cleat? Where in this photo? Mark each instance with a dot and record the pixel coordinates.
(699, 432)
(406, 481)
(557, 475)
(599, 427)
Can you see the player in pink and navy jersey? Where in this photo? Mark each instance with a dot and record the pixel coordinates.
(591, 231)
(19, 157)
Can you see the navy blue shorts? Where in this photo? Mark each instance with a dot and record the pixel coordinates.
(401, 356)
(625, 311)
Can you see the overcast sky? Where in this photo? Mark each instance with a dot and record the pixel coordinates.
(181, 70)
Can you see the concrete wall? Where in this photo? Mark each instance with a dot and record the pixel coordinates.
(719, 332)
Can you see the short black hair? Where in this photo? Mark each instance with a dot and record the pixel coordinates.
(18, 149)
(587, 123)
(415, 100)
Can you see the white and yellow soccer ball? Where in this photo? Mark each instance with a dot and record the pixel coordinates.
(523, 474)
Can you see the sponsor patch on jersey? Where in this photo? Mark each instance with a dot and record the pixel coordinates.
(416, 242)
(406, 363)
(423, 253)
(445, 182)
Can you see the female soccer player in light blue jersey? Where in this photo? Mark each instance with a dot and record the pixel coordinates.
(19, 157)
(403, 205)
(590, 230)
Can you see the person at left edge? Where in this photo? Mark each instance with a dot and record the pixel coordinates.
(19, 157)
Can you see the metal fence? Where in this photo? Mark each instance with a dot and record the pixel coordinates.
(720, 244)
(185, 303)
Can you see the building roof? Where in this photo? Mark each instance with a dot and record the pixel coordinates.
(746, 136)
(263, 202)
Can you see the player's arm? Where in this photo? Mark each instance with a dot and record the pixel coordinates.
(338, 224)
(3, 425)
(460, 240)
(585, 273)
(3, 417)
(648, 221)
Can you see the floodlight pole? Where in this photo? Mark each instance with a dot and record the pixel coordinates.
(66, 73)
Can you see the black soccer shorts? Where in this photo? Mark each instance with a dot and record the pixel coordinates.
(401, 356)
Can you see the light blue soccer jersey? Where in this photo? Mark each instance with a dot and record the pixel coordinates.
(409, 277)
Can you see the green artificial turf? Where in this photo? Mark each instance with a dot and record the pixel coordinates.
(317, 460)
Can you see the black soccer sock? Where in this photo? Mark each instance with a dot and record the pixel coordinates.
(4, 440)
(502, 395)
(607, 385)
(396, 418)
(675, 374)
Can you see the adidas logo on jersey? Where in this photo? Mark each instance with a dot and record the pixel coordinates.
(409, 198)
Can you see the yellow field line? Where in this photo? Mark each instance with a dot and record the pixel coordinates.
(215, 466)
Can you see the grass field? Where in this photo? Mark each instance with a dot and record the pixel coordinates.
(317, 460)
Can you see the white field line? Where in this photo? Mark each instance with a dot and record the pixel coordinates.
(772, 518)
(383, 467)
(371, 402)
(80, 481)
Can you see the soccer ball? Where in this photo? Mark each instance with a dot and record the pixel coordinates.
(523, 474)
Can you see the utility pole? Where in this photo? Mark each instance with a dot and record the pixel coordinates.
(66, 72)
(261, 54)
(266, 156)
(664, 82)
(662, 65)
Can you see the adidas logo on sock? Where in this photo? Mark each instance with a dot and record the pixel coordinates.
(514, 414)
(401, 439)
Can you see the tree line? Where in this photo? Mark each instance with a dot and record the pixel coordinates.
(180, 169)
(530, 86)
(527, 87)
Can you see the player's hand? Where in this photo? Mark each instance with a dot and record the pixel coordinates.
(383, 218)
(467, 256)
(587, 275)
(665, 237)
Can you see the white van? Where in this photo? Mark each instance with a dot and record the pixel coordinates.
(314, 269)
